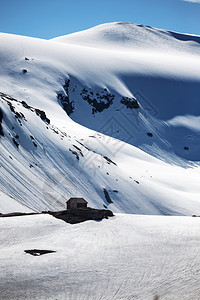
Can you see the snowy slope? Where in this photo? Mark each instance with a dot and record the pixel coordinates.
(42, 171)
(9, 205)
(162, 73)
(125, 257)
(148, 159)
(128, 36)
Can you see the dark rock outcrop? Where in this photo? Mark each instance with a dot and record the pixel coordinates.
(1, 118)
(101, 102)
(131, 103)
(75, 153)
(109, 160)
(64, 100)
(72, 216)
(20, 115)
(42, 115)
(107, 196)
(16, 214)
(16, 143)
(78, 215)
(150, 134)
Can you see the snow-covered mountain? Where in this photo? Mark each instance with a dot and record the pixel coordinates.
(128, 36)
(114, 108)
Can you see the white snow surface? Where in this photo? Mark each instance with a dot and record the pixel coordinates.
(125, 257)
(150, 175)
(128, 36)
(9, 204)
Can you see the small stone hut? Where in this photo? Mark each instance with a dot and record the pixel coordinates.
(76, 203)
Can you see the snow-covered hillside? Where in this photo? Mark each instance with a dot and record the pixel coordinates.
(128, 36)
(125, 257)
(160, 69)
(114, 108)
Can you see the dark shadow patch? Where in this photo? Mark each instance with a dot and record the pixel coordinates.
(185, 37)
(37, 252)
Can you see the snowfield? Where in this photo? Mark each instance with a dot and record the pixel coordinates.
(125, 257)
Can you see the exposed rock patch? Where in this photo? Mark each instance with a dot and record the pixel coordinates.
(98, 101)
(109, 160)
(1, 118)
(71, 216)
(78, 215)
(16, 214)
(81, 153)
(64, 100)
(42, 115)
(107, 196)
(150, 134)
(15, 142)
(131, 103)
(75, 153)
(20, 115)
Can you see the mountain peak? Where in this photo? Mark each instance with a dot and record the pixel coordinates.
(128, 36)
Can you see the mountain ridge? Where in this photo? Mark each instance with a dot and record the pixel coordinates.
(127, 36)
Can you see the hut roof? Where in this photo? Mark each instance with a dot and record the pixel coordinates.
(77, 199)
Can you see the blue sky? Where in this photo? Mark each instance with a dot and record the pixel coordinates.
(51, 18)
